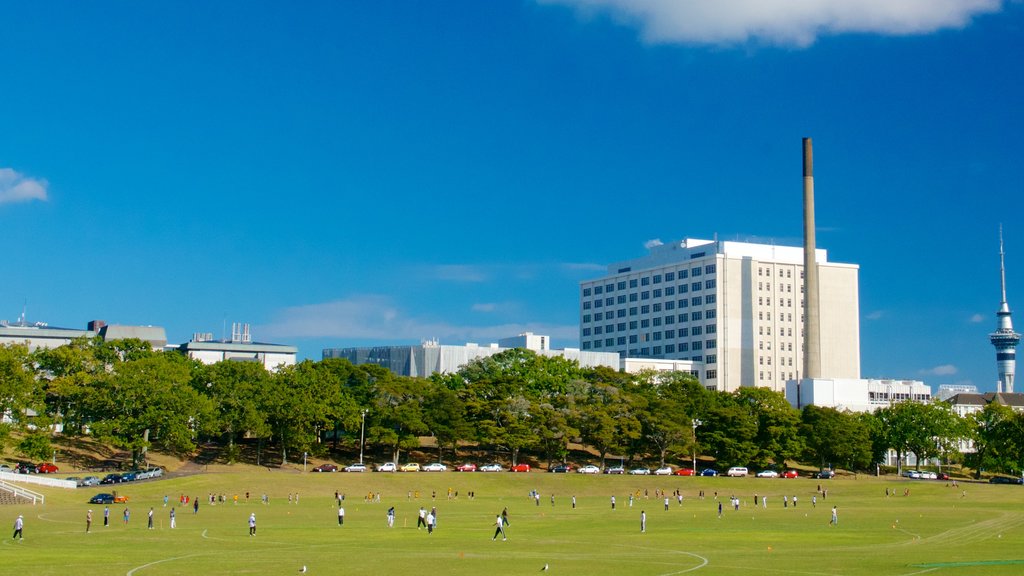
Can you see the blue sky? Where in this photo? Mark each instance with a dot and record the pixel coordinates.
(343, 173)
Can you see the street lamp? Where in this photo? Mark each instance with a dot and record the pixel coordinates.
(362, 430)
(696, 423)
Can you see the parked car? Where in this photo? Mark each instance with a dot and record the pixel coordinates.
(326, 468)
(942, 476)
(685, 472)
(520, 468)
(790, 474)
(387, 467)
(156, 472)
(102, 498)
(767, 474)
(355, 468)
(589, 469)
(6, 468)
(410, 467)
(1005, 480)
(467, 467)
(90, 481)
(639, 472)
(75, 479)
(24, 468)
(615, 470)
(665, 471)
(435, 467)
(130, 476)
(112, 478)
(491, 468)
(561, 469)
(737, 471)
(915, 474)
(826, 475)
(709, 472)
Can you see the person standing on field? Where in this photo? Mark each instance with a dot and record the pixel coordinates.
(835, 517)
(643, 521)
(252, 524)
(173, 524)
(88, 521)
(341, 516)
(499, 529)
(19, 524)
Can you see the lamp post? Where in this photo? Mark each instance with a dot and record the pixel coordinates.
(696, 423)
(362, 430)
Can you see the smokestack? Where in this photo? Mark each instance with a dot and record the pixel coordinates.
(812, 338)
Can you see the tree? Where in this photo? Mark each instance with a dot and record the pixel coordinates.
(924, 430)
(149, 402)
(444, 415)
(607, 422)
(237, 391)
(778, 425)
(19, 389)
(661, 404)
(729, 431)
(834, 438)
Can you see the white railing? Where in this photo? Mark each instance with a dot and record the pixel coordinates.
(35, 497)
(37, 479)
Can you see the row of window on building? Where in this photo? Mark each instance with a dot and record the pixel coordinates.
(670, 276)
(669, 305)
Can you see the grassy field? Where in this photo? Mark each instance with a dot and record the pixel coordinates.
(936, 529)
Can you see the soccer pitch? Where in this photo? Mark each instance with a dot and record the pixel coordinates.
(937, 529)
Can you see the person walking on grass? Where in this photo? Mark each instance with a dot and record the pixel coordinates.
(499, 528)
(106, 516)
(88, 521)
(173, 524)
(252, 524)
(19, 524)
(341, 516)
(835, 517)
(643, 521)
(149, 522)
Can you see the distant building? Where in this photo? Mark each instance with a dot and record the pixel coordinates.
(637, 365)
(430, 357)
(39, 335)
(967, 403)
(240, 348)
(1004, 339)
(855, 394)
(735, 308)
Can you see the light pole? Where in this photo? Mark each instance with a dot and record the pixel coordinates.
(696, 423)
(362, 430)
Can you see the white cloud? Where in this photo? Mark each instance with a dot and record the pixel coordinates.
(781, 22)
(876, 315)
(652, 243)
(942, 370)
(15, 187)
(375, 317)
(977, 318)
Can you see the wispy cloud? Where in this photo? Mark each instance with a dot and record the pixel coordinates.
(16, 187)
(781, 22)
(941, 370)
(652, 243)
(876, 315)
(977, 318)
(484, 307)
(459, 273)
(376, 318)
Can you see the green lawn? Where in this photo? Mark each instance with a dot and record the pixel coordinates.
(933, 530)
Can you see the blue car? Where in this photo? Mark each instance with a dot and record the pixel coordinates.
(709, 472)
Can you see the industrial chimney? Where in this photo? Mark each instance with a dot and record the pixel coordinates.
(812, 337)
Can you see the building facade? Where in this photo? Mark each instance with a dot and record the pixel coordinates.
(430, 357)
(854, 394)
(736, 308)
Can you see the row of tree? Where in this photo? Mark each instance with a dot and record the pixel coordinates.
(513, 403)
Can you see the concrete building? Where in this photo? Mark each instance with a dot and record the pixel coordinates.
(637, 365)
(855, 394)
(240, 348)
(39, 335)
(735, 308)
(430, 357)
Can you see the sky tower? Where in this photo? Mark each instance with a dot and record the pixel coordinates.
(1004, 338)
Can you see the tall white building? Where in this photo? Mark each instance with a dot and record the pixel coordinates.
(736, 307)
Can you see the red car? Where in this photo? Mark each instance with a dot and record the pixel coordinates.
(46, 468)
(790, 474)
(467, 467)
(520, 468)
(685, 472)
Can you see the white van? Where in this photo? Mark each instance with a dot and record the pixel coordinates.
(737, 471)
